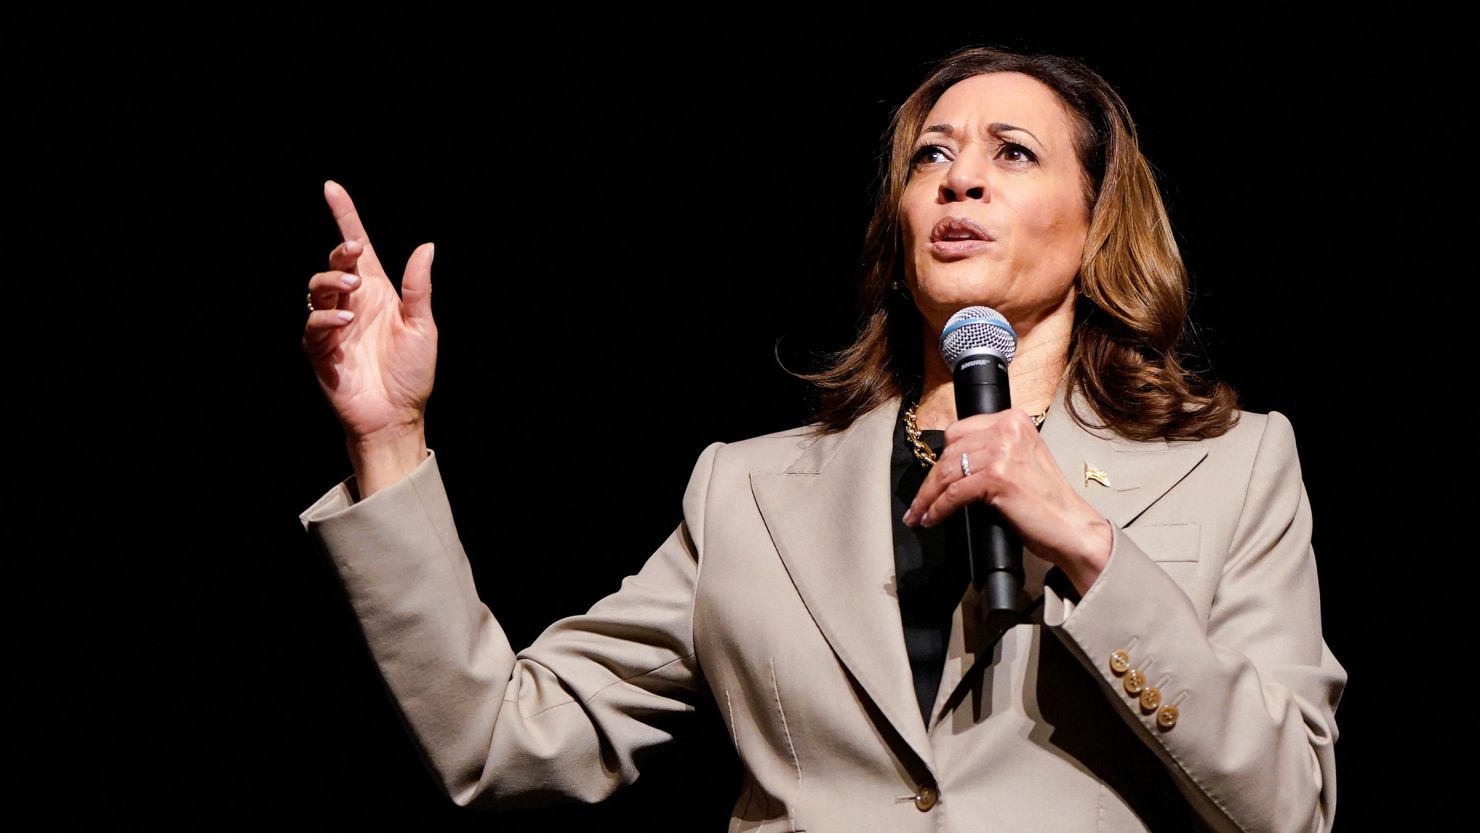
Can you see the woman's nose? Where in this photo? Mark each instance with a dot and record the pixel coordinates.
(967, 178)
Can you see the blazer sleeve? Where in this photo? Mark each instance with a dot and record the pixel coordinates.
(568, 718)
(1256, 687)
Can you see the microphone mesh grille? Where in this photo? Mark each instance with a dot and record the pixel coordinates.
(975, 328)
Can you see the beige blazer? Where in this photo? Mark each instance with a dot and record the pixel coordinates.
(775, 597)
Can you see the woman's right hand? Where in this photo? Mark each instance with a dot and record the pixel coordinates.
(377, 368)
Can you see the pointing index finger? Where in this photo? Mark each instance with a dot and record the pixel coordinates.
(345, 214)
(348, 220)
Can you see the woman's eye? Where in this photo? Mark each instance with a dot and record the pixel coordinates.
(924, 152)
(1014, 147)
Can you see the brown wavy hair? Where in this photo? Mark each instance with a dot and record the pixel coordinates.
(1131, 314)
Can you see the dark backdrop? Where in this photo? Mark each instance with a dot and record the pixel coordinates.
(682, 208)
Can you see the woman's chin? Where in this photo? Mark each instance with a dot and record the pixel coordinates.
(948, 302)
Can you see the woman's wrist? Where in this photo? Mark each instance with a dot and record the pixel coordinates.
(1085, 568)
(385, 457)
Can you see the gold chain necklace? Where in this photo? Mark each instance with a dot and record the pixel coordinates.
(923, 453)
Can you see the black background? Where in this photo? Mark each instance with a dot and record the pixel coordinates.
(682, 206)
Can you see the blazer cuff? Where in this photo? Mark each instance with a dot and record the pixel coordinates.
(378, 544)
(343, 494)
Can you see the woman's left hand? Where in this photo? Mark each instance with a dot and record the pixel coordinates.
(1013, 471)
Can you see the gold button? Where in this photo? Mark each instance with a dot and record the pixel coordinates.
(927, 798)
(1119, 661)
(1134, 681)
(1150, 698)
(1167, 717)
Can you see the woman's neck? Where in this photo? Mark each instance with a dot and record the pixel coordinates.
(1033, 377)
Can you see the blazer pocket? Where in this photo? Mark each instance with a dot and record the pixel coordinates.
(1167, 542)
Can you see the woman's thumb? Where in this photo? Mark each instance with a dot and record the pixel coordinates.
(416, 283)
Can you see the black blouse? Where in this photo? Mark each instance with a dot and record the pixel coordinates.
(931, 567)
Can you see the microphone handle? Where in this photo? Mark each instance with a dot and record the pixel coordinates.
(993, 547)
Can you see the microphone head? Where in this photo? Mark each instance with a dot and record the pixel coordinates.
(975, 330)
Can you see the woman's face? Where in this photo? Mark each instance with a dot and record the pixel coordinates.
(995, 150)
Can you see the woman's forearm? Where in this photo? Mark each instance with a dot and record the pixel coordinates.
(383, 459)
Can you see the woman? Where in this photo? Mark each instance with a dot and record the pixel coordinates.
(1171, 673)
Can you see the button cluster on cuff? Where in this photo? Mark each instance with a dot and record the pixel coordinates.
(1149, 696)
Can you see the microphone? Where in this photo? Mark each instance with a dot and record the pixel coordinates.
(978, 344)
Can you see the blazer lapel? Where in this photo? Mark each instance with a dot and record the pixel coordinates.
(828, 515)
(1120, 478)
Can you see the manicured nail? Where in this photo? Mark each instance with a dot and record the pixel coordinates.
(925, 519)
(345, 315)
(350, 280)
(905, 518)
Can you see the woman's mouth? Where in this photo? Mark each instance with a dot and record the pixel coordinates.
(959, 248)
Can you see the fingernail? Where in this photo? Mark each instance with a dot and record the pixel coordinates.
(925, 519)
(345, 315)
(905, 518)
(349, 280)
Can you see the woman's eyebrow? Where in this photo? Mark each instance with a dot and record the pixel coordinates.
(993, 129)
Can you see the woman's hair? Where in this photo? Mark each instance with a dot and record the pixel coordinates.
(1130, 316)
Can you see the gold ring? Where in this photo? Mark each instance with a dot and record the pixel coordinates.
(310, 302)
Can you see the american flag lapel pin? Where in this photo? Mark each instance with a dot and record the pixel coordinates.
(1098, 475)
